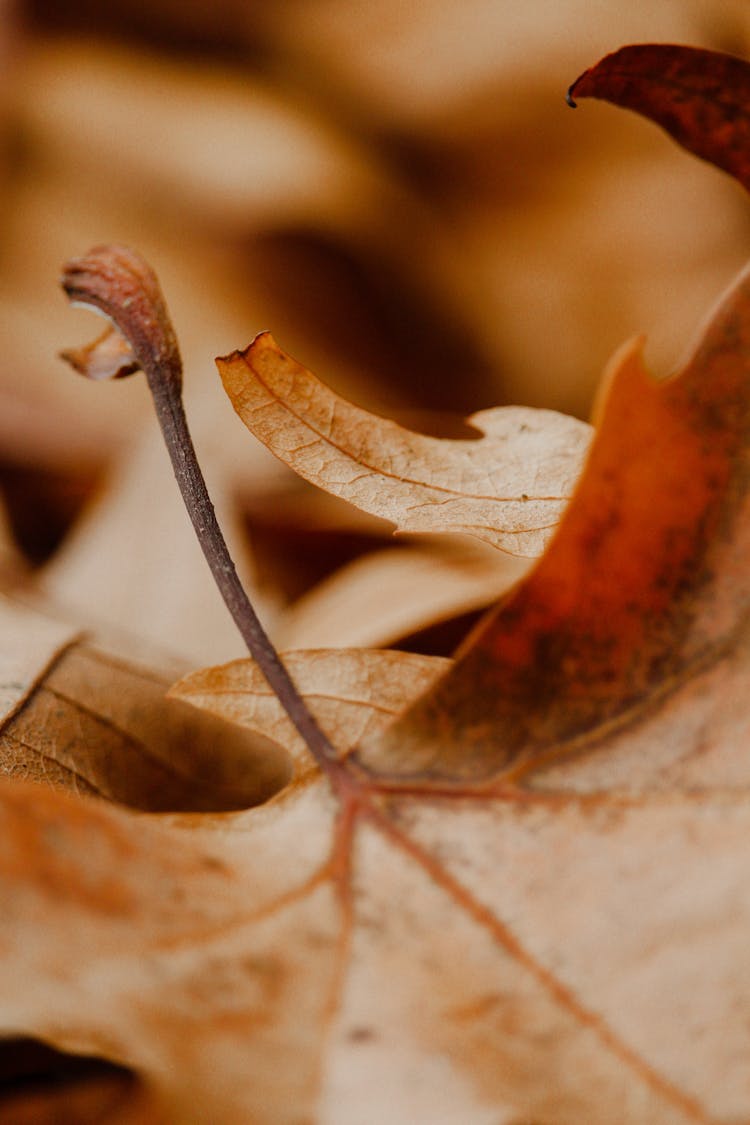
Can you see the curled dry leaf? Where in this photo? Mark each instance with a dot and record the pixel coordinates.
(508, 488)
(645, 585)
(700, 97)
(468, 921)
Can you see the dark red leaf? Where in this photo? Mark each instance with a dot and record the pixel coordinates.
(701, 98)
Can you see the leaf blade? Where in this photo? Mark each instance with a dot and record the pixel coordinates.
(699, 97)
(508, 488)
(644, 580)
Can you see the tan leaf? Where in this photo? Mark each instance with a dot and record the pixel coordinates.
(353, 693)
(392, 593)
(531, 907)
(509, 487)
(77, 719)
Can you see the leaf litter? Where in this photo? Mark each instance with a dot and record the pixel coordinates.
(524, 899)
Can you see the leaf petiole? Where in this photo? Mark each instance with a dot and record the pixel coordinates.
(117, 282)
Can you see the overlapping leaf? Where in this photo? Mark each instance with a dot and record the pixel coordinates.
(647, 582)
(700, 97)
(508, 488)
(75, 718)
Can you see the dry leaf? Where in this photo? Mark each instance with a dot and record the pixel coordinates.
(352, 692)
(525, 901)
(507, 488)
(533, 907)
(390, 594)
(77, 719)
(644, 584)
(700, 97)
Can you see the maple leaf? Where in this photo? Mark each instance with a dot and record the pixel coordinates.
(531, 905)
(508, 488)
(585, 753)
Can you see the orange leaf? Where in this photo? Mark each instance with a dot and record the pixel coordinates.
(642, 588)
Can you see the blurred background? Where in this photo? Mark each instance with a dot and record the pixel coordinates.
(399, 192)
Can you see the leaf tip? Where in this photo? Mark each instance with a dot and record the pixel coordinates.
(569, 95)
(626, 362)
(261, 341)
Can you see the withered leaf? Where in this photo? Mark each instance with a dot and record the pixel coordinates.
(544, 921)
(508, 488)
(638, 604)
(73, 717)
(700, 97)
(353, 693)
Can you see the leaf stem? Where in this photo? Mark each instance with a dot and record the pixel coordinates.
(119, 283)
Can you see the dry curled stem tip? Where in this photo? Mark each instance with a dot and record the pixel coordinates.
(109, 356)
(117, 282)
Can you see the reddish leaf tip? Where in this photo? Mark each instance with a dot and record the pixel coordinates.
(700, 97)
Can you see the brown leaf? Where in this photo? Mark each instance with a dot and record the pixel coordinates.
(77, 719)
(508, 488)
(566, 944)
(700, 97)
(353, 693)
